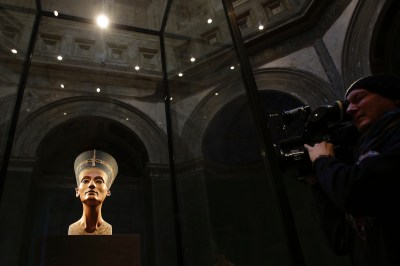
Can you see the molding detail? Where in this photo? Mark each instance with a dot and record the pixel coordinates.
(38, 124)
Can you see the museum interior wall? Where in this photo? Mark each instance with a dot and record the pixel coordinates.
(167, 89)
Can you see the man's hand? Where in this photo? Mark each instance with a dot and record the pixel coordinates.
(320, 149)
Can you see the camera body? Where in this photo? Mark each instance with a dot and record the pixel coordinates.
(326, 123)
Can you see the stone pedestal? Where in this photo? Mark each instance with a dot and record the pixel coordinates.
(121, 250)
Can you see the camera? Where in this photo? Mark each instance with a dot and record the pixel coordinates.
(328, 123)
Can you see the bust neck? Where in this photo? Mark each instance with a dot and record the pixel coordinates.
(91, 218)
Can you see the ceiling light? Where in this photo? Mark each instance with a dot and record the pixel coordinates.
(65, 113)
(261, 27)
(127, 119)
(59, 57)
(232, 67)
(14, 51)
(102, 21)
(209, 21)
(98, 90)
(216, 94)
(180, 74)
(56, 13)
(137, 67)
(192, 59)
(62, 86)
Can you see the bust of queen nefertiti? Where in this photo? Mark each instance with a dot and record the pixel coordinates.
(95, 172)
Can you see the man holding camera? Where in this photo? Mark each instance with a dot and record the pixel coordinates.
(358, 203)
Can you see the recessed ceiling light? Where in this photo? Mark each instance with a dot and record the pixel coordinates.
(216, 94)
(261, 27)
(62, 86)
(56, 13)
(209, 21)
(192, 59)
(232, 67)
(137, 67)
(65, 113)
(59, 57)
(102, 21)
(180, 74)
(98, 90)
(14, 51)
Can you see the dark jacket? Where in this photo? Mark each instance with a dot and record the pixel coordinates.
(358, 205)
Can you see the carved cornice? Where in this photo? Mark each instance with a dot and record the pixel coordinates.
(297, 33)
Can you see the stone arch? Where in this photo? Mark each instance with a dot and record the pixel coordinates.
(135, 143)
(357, 46)
(59, 148)
(304, 86)
(38, 124)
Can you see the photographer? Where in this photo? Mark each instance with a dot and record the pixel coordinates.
(357, 204)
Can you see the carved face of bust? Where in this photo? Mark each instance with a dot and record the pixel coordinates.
(92, 188)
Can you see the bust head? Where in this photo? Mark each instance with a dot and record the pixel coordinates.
(95, 172)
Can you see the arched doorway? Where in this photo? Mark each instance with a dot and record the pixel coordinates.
(54, 171)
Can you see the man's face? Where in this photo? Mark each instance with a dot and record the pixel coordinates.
(367, 107)
(92, 188)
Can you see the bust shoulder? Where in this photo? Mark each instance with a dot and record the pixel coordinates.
(76, 229)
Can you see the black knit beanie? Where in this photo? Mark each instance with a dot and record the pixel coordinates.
(386, 85)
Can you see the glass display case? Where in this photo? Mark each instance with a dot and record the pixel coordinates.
(167, 88)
